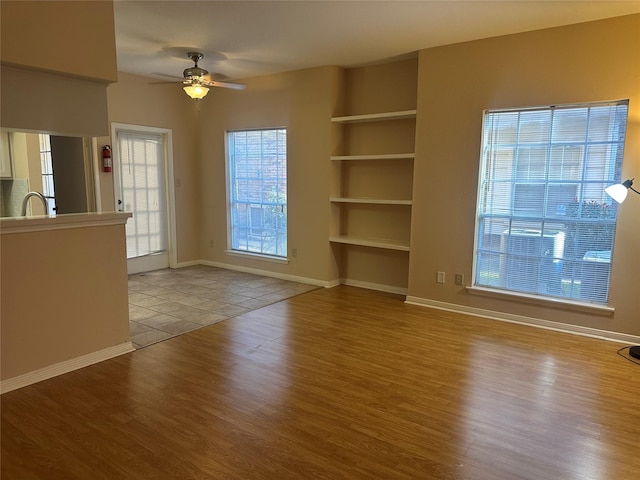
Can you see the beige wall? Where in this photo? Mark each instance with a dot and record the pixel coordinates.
(388, 87)
(454, 84)
(74, 38)
(32, 100)
(64, 295)
(57, 57)
(302, 101)
(64, 291)
(580, 63)
(134, 100)
(585, 62)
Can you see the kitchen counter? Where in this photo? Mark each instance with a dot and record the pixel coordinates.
(64, 294)
(72, 220)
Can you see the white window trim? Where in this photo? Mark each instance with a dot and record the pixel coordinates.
(594, 308)
(557, 302)
(240, 253)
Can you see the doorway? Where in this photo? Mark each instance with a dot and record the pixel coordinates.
(143, 179)
(66, 174)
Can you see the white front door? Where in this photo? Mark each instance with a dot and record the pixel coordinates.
(141, 187)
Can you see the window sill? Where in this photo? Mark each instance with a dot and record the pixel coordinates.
(257, 256)
(543, 301)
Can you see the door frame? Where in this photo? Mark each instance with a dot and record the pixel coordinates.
(167, 142)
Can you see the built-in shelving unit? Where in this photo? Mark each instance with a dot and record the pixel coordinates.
(372, 191)
(371, 165)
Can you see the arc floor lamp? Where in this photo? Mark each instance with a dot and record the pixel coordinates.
(619, 192)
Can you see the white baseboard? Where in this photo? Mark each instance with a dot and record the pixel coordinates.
(190, 263)
(374, 286)
(265, 273)
(529, 321)
(295, 278)
(64, 367)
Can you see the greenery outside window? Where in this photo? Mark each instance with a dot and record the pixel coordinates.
(544, 225)
(257, 161)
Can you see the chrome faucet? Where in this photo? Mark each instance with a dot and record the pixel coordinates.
(25, 202)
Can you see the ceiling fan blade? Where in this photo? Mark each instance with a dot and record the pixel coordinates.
(234, 86)
(163, 83)
(165, 75)
(215, 77)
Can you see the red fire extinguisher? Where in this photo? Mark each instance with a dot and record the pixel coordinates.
(106, 158)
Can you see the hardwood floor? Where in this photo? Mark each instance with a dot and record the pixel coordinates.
(339, 383)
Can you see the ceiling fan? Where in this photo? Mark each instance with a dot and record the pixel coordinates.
(197, 81)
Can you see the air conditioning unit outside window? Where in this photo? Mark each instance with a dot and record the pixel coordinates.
(533, 260)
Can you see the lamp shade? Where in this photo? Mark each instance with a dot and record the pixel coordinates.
(196, 91)
(619, 191)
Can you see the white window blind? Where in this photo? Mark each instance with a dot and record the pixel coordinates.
(142, 180)
(258, 191)
(544, 224)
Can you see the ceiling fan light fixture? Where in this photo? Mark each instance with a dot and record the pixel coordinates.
(196, 91)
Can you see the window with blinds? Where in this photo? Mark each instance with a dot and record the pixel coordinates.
(544, 224)
(257, 161)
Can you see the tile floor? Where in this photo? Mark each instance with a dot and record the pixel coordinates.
(166, 303)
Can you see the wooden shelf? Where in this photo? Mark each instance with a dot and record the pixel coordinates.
(375, 117)
(376, 201)
(372, 242)
(386, 156)
(371, 188)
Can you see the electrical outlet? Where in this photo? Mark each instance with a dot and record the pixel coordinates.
(459, 279)
(440, 277)
(294, 253)
(211, 243)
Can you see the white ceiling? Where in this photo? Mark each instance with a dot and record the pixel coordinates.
(242, 39)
